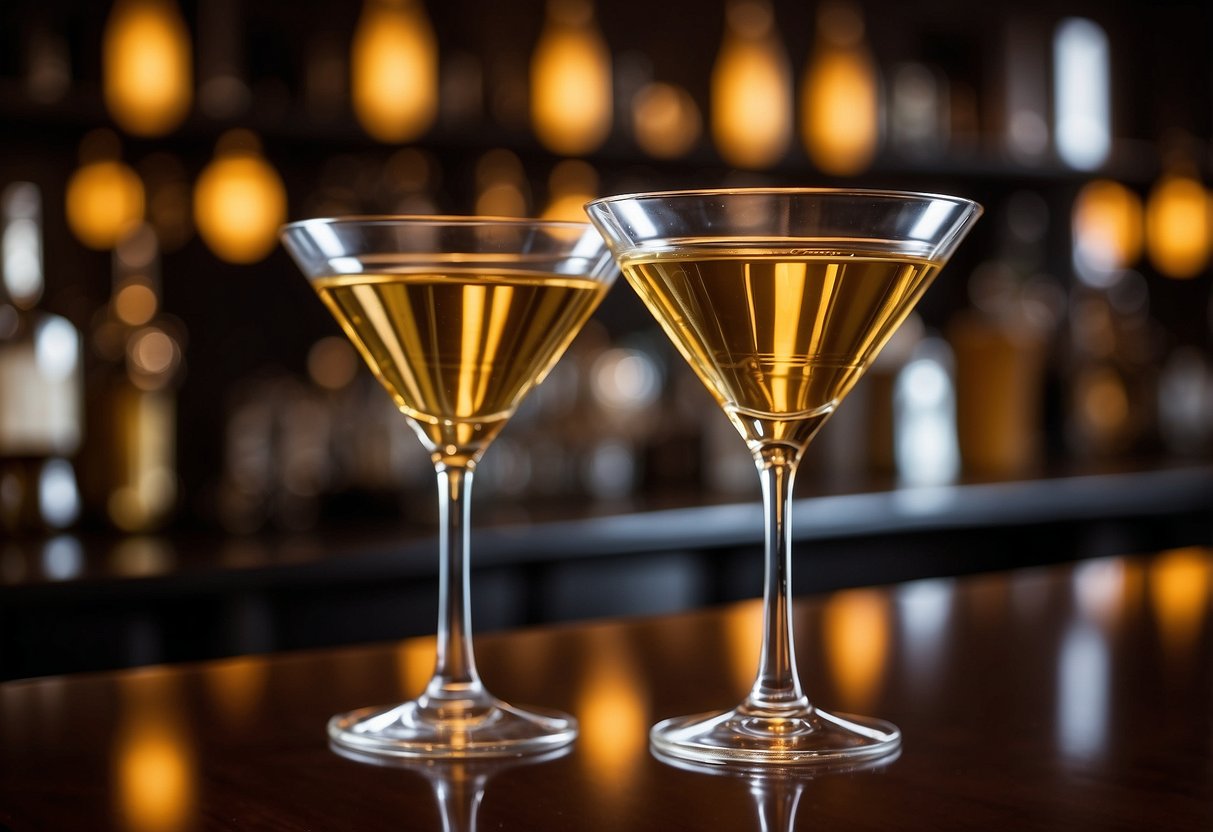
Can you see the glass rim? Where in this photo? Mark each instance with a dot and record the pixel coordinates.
(435, 220)
(887, 193)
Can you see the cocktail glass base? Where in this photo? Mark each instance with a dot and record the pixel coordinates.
(745, 735)
(411, 730)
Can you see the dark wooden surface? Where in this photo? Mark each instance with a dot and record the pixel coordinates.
(1071, 697)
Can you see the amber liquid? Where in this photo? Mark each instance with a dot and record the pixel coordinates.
(458, 350)
(779, 335)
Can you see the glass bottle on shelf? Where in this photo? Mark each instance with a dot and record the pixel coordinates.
(40, 380)
(130, 476)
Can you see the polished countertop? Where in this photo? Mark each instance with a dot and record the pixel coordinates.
(1076, 696)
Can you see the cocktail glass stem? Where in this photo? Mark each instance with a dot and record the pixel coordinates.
(777, 687)
(456, 685)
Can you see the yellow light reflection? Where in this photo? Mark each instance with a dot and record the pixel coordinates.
(1107, 225)
(415, 664)
(105, 197)
(154, 766)
(239, 201)
(856, 628)
(839, 105)
(571, 80)
(147, 79)
(743, 640)
(572, 184)
(394, 70)
(237, 688)
(751, 113)
(1177, 226)
(613, 713)
(1179, 592)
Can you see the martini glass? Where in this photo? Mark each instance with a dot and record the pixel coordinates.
(458, 318)
(779, 299)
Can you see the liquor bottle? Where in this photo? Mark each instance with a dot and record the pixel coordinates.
(40, 380)
(130, 475)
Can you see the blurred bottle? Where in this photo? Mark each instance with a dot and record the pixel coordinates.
(129, 468)
(40, 381)
(1111, 369)
(1002, 345)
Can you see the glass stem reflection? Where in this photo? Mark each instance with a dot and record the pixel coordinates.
(777, 687)
(456, 684)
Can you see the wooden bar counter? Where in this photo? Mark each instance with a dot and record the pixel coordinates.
(1075, 697)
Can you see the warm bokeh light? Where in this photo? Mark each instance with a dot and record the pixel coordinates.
(839, 103)
(856, 625)
(571, 185)
(501, 185)
(394, 70)
(143, 447)
(751, 112)
(135, 304)
(239, 201)
(613, 713)
(1179, 584)
(571, 80)
(155, 770)
(237, 688)
(666, 120)
(1177, 226)
(415, 664)
(105, 198)
(1107, 226)
(743, 637)
(332, 363)
(147, 75)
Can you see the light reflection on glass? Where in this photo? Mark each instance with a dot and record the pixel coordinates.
(856, 626)
(924, 609)
(743, 641)
(154, 758)
(415, 664)
(1179, 592)
(1083, 691)
(613, 712)
(237, 687)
